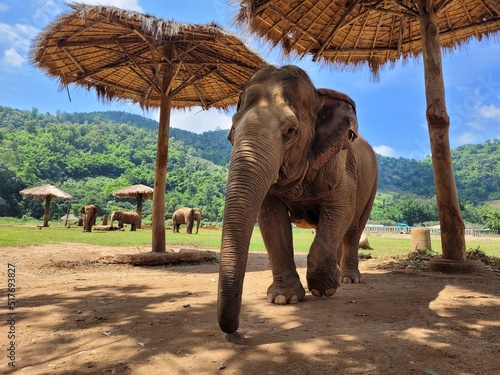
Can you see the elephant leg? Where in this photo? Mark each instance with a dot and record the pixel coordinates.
(323, 273)
(348, 256)
(276, 229)
(348, 260)
(133, 227)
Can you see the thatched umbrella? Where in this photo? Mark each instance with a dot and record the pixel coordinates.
(374, 32)
(47, 192)
(156, 63)
(139, 192)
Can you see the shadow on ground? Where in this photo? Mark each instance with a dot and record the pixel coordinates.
(87, 318)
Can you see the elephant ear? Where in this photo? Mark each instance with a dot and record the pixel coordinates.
(238, 106)
(336, 126)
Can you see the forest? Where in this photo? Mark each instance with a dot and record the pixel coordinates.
(89, 155)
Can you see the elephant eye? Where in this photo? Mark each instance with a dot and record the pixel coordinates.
(289, 134)
(352, 136)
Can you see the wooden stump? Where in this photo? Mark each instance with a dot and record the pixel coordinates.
(421, 239)
(155, 259)
(363, 241)
(104, 219)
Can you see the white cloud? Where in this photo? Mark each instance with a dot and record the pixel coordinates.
(3, 7)
(45, 11)
(490, 111)
(12, 59)
(385, 151)
(475, 125)
(198, 120)
(468, 138)
(18, 35)
(124, 4)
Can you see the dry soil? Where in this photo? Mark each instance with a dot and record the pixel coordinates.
(75, 315)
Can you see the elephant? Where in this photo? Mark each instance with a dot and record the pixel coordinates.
(125, 217)
(89, 213)
(296, 158)
(186, 215)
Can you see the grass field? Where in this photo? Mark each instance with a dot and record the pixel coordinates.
(382, 244)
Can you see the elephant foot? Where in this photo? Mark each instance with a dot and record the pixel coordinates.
(282, 295)
(351, 277)
(323, 283)
(348, 280)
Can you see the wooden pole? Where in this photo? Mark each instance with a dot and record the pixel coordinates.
(46, 213)
(139, 210)
(450, 218)
(160, 183)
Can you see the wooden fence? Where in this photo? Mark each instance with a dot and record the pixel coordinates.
(434, 230)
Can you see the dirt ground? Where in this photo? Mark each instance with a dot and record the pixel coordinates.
(75, 315)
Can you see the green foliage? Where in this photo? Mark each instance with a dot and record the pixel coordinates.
(403, 208)
(405, 175)
(10, 200)
(477, 171)
(89, 155)
(490, 216)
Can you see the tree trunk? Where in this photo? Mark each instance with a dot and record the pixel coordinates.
(450, 218)
(46, 213)
(160, 184)
(153, 259)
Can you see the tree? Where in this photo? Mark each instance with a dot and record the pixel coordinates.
(490, 216)
(10, 199)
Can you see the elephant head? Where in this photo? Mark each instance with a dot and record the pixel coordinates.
(284, 129)
(116, 215)
(194, 215)
(90, 213)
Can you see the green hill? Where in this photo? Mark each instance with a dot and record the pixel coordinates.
(91, 154)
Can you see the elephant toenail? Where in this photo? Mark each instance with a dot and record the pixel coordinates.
(346, 280)
(270, 297)
(280, 300)
(330, 292)
(316, 293)
(356, 280)
(294, 299)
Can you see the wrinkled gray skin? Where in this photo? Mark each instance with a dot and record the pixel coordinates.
(89, 213)
(297, 158)
(125, 217)
(188, 216)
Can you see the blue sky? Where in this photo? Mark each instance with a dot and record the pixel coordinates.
(391, 111)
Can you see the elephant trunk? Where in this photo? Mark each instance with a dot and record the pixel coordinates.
(253, 169)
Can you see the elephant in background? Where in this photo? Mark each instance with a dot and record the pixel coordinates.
(125, 217)
(297, 158)
(89, 213)
(188, 216)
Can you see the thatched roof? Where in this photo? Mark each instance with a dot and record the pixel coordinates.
(46, 191)
(353, 32)
(121, 54)
(133, 191)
